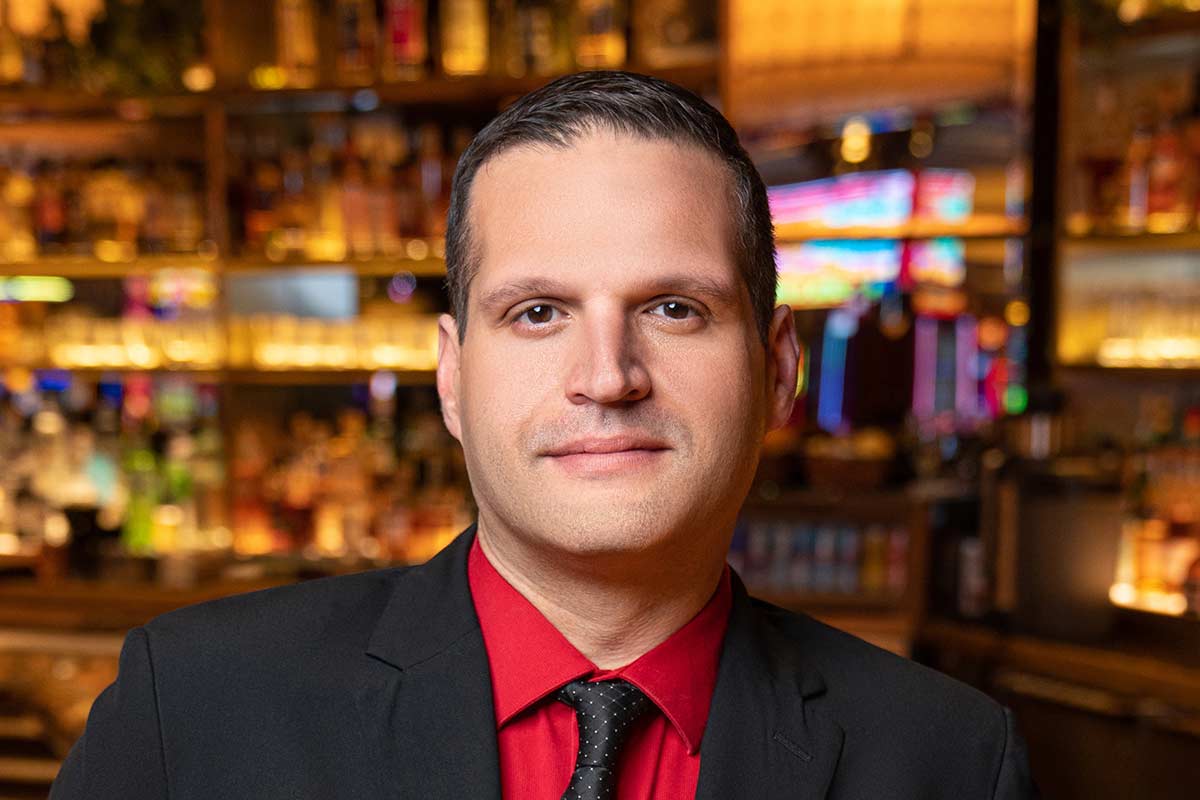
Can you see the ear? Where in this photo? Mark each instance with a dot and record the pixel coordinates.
(783, 357)
(448, 372)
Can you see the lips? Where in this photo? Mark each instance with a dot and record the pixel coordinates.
(595, 445)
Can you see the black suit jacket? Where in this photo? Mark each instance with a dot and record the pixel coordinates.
(376, 685)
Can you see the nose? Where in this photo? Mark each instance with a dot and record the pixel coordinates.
(605, 364)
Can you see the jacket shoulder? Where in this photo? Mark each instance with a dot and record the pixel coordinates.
(873, 686)
(331, 610)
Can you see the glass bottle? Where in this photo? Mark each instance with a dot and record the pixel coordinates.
(405, 40)
(357, 39)
(464, 25)
(296, 41)
(600, 33)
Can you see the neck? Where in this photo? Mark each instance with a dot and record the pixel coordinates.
(613, 609)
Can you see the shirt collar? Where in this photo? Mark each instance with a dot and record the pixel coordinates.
(679, 674)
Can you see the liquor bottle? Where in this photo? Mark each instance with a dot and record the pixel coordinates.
(295, 203)
(506, 48)
(464, 29)
(296, 41)
(1191, 132)
(262, 204)
(405, 40)
(326, 240)
(1166, 203)
(49, 209)
(668, 33)
(546, 36)
(12, 58)
(357, 40)
(1132, 208)
(356, 208)
(600, 33)
(434, 182)
(141, 473)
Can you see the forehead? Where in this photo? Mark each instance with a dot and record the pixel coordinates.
(608, 204)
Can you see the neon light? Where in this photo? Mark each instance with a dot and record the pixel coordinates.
(966, 383)
(1016, 399)
(36, 289)
(831, 391)
(924, 367)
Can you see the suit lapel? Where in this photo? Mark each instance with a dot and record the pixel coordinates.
(426, 700)
(767, 735)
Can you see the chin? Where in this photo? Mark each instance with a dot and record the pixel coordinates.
(612, 526)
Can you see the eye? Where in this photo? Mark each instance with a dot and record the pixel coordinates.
(675, 309)
(539, 314)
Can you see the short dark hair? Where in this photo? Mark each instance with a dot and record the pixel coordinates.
(624, 103)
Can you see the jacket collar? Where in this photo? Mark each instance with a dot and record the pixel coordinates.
(429, 720)
(769, 733)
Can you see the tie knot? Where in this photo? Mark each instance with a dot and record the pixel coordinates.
(614, 699)
(605, 711)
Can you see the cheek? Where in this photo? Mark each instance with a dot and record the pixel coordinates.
(715, 389)
(500, 390)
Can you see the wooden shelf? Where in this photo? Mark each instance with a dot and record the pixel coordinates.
(39, 101)
(379, 266)
(858, 503)
(825, 602)
(436, 90)
(255, 377)
(83, 267)
(1109, 668)
(1132, 373)
(322, 377)
(1116, 243)
(980, 227)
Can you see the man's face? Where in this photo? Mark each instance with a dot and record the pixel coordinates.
(612, 391)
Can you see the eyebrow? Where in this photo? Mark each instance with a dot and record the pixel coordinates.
(715, 291)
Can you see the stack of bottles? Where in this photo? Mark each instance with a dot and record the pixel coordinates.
(134, 470)
(358, 487)
(342, 189)
(1138, 167)
(1158, 566)
(805, 557)
(111, 209)
(128, 466)
(399, 40)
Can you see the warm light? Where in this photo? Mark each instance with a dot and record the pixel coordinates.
(199, 77)
(920, 141)
(416, 249)
(56, 530)
(993, 334)
(856, 140)
(36, 289)
(1130, 11)
(1123, 594)
(268, 76)
(111, 251)
(1017, 313)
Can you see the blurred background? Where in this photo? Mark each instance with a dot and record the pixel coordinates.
(221, 263)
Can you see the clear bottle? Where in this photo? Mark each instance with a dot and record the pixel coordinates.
(357, 41)
(464, 35)
(296, 42)
(600, 33)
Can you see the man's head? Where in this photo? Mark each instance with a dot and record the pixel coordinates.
(615, 355)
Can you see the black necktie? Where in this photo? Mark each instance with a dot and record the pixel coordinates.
(605, 711)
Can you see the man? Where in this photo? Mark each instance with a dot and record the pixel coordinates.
(612, 364)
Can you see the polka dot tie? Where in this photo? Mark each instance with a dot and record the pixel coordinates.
(605, 711)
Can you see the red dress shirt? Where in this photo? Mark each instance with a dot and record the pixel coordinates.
(537, 735)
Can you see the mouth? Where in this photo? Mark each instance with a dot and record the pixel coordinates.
(602, 456)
